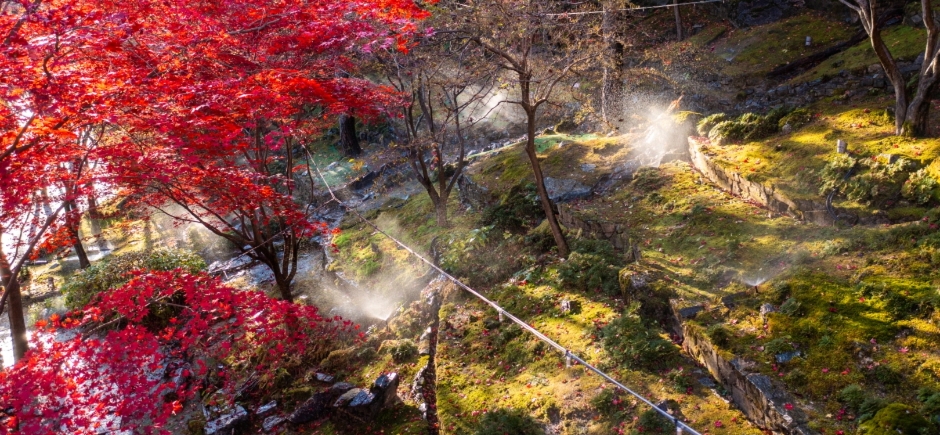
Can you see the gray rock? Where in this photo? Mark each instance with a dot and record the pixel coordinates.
(570, 307)
(385, 390)
(266, 408)
(346, 398)
(319, 405)
(323, 377)
(271, 422)
(786, 129)
(765, 310)
(565, 190)
(691, 312)
(226, 424)
(786, 357)
(588, 167)
(707, 382)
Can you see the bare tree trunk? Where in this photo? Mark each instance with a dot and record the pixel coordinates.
(612, 88)
(11, 286)
(678, 14)
(347, 136)
(73, 223)
(540, 186)
(441, 210)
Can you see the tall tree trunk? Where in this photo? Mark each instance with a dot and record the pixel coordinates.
(11, 286)
(283, 286)
(540, 186)
(612, 88)
(73, 222)
(678, 14)
(347, 136)
(440, 207)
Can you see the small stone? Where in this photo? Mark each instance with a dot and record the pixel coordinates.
(809, 41)
(691, 312)
(765, 310)
(842, 146)
(570, 307)
(323, 377)
(266, 408)
(786, 129)
(786, 357)
(588, 167)
(272, 421)
(707, 382)
(226, 424)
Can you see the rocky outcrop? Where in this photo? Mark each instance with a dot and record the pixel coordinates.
(618, 234)
(472, 194)
(757, 12)
(764, 403)
(766, 195)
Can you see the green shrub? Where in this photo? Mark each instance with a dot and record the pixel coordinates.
(874, 180)
(726, 131)
(636, 344)
(112, 272)
(894, 419)
(517, 210)
(869, 407)
(778, 346)
(610, 404)
(508, 421)
(919, 188)
(791, 307)
(654, 422)
(796, 378)
(780, 291)
(404, 350)
(852, 396)
(592, 265)
(719, 335)
(797, 119)
(707, 123)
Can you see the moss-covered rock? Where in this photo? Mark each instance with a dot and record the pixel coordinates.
(895, 419)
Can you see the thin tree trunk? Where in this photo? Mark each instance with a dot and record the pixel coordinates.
(11, 286)
(678, 20)
(347, 136)
(74, 230)
(441, 208)
(612, 88)
(540, 186)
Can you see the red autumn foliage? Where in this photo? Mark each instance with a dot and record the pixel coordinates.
(132, 360)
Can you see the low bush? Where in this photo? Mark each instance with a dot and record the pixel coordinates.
(797, 119)
(508, 421)
(112, 272)
(896, 418)
(707, 123)
(592, 265)
(919, 188)
(636, 344)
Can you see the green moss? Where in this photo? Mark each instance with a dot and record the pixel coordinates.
(894, 419)
(758, 50)
(904, 42)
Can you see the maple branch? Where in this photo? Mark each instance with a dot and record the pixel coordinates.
(19, 23)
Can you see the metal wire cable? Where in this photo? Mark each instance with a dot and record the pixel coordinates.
(680, 426)
(638, 8)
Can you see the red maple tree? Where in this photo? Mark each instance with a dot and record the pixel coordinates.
(132, 360)
(185, 92)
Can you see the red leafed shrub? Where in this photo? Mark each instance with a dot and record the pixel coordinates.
(132, 360)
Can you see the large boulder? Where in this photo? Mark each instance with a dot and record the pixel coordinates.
(319, 405)
(758, 12)
(565, 190)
